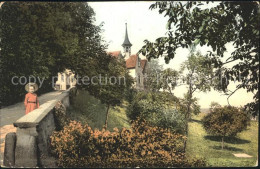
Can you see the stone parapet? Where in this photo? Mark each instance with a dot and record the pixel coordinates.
(30, 145)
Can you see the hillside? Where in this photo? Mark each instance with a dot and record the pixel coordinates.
(88, 109)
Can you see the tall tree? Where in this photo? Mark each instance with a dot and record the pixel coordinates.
(216, 26)
(42, 39)
(198, 78)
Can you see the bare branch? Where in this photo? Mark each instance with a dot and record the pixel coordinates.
(229, 62)
(231, 95)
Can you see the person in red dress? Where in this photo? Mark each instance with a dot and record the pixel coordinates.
(31, 101)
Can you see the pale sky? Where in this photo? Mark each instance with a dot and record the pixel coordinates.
(148, 24)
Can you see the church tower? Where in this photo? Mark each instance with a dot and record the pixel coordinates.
(126, 45)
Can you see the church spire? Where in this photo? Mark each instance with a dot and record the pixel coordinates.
(126, 41)
(126, 45)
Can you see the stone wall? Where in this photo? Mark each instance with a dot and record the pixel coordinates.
(30, 145)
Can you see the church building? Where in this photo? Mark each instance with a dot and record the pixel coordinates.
(134, 63)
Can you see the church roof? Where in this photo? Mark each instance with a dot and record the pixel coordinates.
(115, 53)
(131, 61)
(126, 41)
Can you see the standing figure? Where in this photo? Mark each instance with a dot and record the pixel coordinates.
(31, 101)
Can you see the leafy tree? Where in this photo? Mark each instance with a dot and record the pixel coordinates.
(214, 105)
(157, 78)
(189, 105)
(109, 80)
(197, 78)
(169, 80)
(225, 121)
(42, 39)
(225, 22)
(153, 72)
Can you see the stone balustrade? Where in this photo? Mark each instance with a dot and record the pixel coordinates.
(30, 145)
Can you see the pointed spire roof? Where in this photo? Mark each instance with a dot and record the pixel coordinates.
(126, 41)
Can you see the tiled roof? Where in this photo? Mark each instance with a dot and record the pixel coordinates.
(115, 53)
(131, 61)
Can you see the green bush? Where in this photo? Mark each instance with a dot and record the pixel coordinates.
(159, 109)
(225, 121)
(60, 117)
(78, 145)
(172, 119)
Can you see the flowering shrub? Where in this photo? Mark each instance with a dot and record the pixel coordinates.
(78, 145)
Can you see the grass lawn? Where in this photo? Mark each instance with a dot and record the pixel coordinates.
(88, 109)
(201, 145)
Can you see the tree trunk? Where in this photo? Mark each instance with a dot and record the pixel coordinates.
(188, 114)
(107, 116)
(222, 143)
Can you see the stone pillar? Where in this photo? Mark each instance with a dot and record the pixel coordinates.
(26, 148)
(9, 151)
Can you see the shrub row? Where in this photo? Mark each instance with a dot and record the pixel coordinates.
(78, 145)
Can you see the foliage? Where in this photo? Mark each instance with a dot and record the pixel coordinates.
(146, 102)
(60, 116)
(112, 82)
(214, 105)
(194, 107)
(140, 146)
(88, 109)
(226, 22)
(202, 145)
(160, 109)
(199, 73)
(226, 121)
(153, 72)
(197, 78)
(135, 108)
(42, 39)
(157, 78)
(172, 119)
(169, 80)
